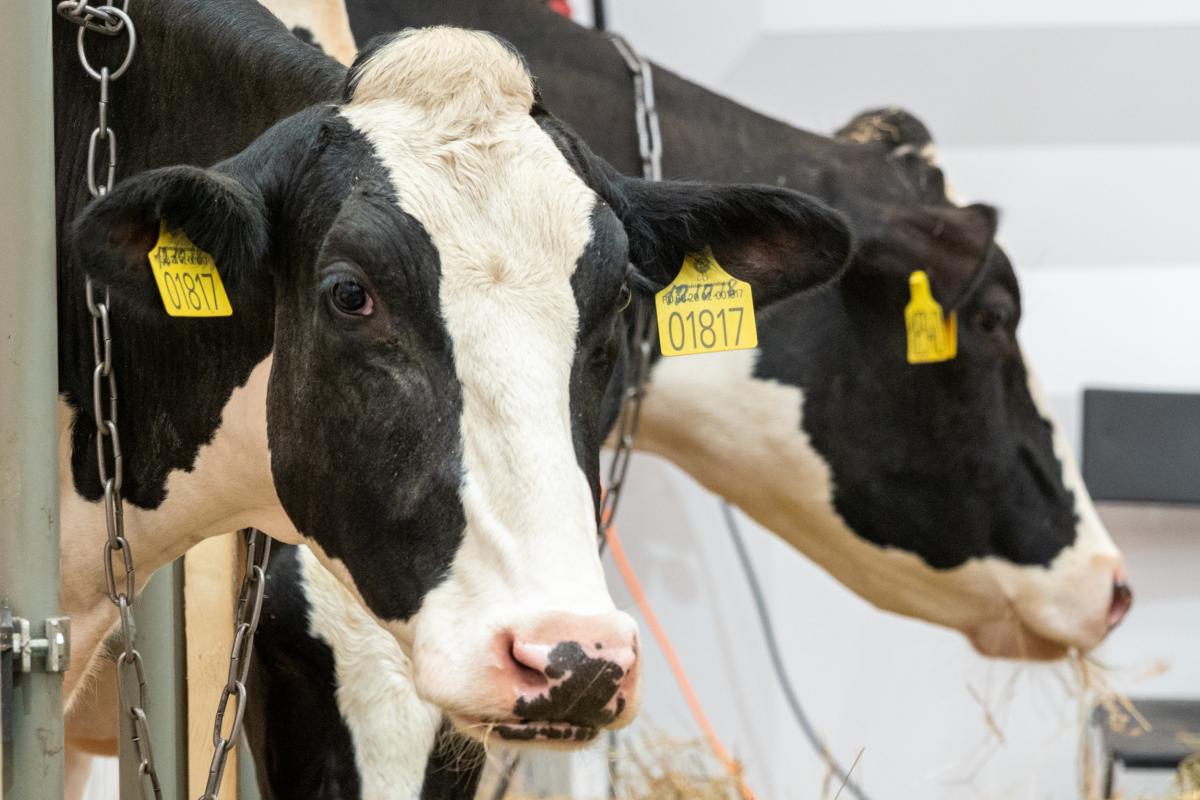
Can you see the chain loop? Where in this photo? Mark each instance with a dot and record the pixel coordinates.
(638, 366)
(123, 23)
(249, 609)
(110, 21)
(646, 109)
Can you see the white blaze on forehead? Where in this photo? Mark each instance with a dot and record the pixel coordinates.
(452, 75)
(447, 113)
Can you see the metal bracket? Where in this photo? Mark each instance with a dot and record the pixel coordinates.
(20, 647)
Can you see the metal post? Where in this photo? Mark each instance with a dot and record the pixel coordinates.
(33, 768)
(247, 773)
(162, 642)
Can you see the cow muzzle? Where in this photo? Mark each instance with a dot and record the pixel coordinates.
(561, 679)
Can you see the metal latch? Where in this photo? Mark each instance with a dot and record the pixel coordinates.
(17, 649)
(21, 647)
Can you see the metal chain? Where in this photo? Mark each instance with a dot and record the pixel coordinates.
(646, 110)
(131, 673)
(638, 368)
(650, 150)
(249, 607)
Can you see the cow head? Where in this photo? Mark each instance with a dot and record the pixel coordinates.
(941, 491)
(443, 266)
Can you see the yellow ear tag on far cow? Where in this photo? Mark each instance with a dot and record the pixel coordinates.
(705, 310)
(187, 278)
(931, 338)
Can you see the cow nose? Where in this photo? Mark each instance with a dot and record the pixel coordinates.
(1122, 599)
(579, 670)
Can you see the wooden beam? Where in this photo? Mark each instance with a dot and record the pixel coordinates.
(210, 587)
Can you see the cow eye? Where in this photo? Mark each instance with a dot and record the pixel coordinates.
(995, 318)
(350, 297)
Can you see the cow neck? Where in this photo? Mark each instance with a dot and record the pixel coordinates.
(208, 77)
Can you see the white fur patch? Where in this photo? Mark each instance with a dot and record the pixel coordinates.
(392, 729)
(767, 466)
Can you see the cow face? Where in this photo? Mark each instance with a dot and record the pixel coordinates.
(444, 265)
(941, 491)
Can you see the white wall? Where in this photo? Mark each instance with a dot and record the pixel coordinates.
(1096, 180)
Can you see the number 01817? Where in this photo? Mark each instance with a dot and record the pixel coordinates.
(195, 292)
(705, 329)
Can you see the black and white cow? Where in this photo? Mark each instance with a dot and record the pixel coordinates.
(944, 492)
(426, 271)
(979, 521)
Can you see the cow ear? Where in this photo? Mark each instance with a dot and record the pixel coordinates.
(950, 243)
(221, 214)
(778, 241)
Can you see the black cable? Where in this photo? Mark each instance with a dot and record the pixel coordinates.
(598, 17)
(768, 629)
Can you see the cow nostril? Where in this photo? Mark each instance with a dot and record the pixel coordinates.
(528, 665)
(1122, 599)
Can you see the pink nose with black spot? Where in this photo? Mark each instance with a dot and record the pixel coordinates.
(572, 670)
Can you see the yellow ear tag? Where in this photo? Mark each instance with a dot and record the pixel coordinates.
(705, 310)
(930, 337)
(187, 278)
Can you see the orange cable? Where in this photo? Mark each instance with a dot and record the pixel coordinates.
(681, 678)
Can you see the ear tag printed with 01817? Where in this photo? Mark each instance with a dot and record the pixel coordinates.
(932, 337)
(187, 277)
(705, 310)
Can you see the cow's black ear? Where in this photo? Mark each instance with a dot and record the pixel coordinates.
(950, 243)
(221, 214)
(777, 240)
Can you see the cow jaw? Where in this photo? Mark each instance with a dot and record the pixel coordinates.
(768, 467)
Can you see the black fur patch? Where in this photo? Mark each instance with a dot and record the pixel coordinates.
(306, 36)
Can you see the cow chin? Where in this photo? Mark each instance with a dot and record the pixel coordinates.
(1010, 638)
(1052, 610)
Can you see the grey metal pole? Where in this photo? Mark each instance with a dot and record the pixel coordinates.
(162, 643)
(28, 391)
(247, 777)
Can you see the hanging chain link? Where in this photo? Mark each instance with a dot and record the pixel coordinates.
(646, 109)
(111, 20)
(249, 607)
(121, 584)
(638, 368)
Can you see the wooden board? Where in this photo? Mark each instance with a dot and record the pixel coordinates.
(210, 585)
